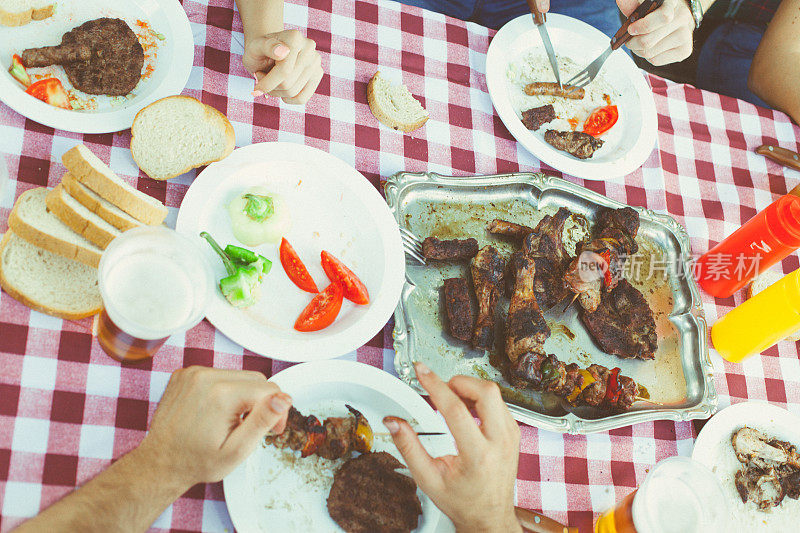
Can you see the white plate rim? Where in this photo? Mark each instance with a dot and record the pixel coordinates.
(118, 119)
(380, 309)
(305, 375)
(496, 66)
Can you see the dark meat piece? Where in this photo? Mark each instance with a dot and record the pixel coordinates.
(336, 438)
(454, 249)
(534, 118)
(368, 496)
(300, 430)
(459, 308)
(487, 278)
(508, 229)
(547, 88)
(514, 263)
(526, 328)
(771, 468)
(580, 144)
(112, 65)
(762, 487)
(623, 323)
(547, 247)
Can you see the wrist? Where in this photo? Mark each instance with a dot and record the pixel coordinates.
(506, 523)
(158, 465)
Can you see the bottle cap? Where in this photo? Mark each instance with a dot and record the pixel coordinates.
(784, 221)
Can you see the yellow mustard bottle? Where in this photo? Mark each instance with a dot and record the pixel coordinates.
(768, 317)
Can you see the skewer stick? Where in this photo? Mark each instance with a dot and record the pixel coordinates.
(421, 434)
(571, 302)
(648, 400)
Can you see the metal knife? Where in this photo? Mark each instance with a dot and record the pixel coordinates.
(539, 19)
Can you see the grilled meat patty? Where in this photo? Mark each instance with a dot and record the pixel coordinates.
(102, 56)
(487, 277)
(623, 323)
(534, 118)
(368, 496)
(458, 307)
(580, 144)
(454, 249)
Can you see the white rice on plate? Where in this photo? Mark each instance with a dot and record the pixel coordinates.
(534, 66)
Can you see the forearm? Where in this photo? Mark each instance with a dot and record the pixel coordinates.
(775, 71)
(128, 496)
(260, 17)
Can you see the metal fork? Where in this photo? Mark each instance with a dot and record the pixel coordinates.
(412, 245)
(587, 75)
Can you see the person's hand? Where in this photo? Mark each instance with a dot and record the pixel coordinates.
(665, 35)
(209, 420)
(543, 5)
(286, 64)
(476, 487)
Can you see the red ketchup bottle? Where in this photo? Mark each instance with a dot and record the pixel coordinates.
(761, 242)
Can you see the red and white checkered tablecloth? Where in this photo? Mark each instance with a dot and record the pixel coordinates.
(66, 409)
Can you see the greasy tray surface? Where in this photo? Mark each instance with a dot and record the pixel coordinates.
(431, 204)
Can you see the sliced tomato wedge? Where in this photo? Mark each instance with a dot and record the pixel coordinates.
(322, 311)
(354, 288)
(18, 72)
(295, 268)
(601, 120)
(51, 91)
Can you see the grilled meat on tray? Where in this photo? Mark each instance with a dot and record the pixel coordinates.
(508, 229)
(623, 323)
(369, 496)
(453, 250)
(459, 308)
(102, 56)
(581, 145)
(487, 278)
(534, 118)
(526, 328)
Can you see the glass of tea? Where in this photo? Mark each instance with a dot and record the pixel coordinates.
(679, 495)
(154, 282)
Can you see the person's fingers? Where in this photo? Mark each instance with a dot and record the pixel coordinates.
(270, 47)
(657, 19)
(489, 404)
(267, 412)
(308, 91)
(423, 467)
(628, 6)
(281, 73)
(543, 5)
(290, 91)
(672, 55)
(651, 43)
(463, 427)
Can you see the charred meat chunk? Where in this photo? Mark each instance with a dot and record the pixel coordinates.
(535, 117)
(771, 468)
(526, 328)
(580, 144)
(508, 229)
(369, 496)
(487, 278)
(623, 323)
(459, 308)
(452, 250)
(101, 56)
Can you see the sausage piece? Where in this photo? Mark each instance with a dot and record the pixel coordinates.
(548, 88)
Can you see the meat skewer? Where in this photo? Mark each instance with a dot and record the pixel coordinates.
(595, 386)
(452, 250)
(334, 438)
(487, 278)
(546, 88)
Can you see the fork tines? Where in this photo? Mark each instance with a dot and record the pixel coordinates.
(412, 245)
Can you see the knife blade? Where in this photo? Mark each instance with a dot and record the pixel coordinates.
(780, 155)
(539, 20)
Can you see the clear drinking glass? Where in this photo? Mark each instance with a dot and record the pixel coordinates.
(679, 495)
(154, 283)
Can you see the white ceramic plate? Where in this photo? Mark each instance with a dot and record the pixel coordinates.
(171, 60)
(266, 493)
(634, 135)
(713, 449)
(332, 207)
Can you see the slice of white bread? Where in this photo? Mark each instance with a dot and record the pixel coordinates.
(98, 205)
(47, 282)
(20, 12)
(173, 135)
(764, 280)
(92, 172)
(394, 105)
(82, 221)
(31, 220)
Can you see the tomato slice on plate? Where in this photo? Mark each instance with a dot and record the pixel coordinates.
(295, 268)
(354, 288)
(51, 91)
(322, 310)
(601, 120)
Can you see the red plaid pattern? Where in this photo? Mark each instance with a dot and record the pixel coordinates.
(66, 409)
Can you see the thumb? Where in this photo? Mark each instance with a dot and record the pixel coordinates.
(423, 467)
(267, 413)
(628, 6)
(273, 48)
(543, 5)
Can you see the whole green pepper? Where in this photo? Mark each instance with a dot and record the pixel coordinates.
(241, 286)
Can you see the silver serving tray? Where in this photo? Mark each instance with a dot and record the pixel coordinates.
(450, 207)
